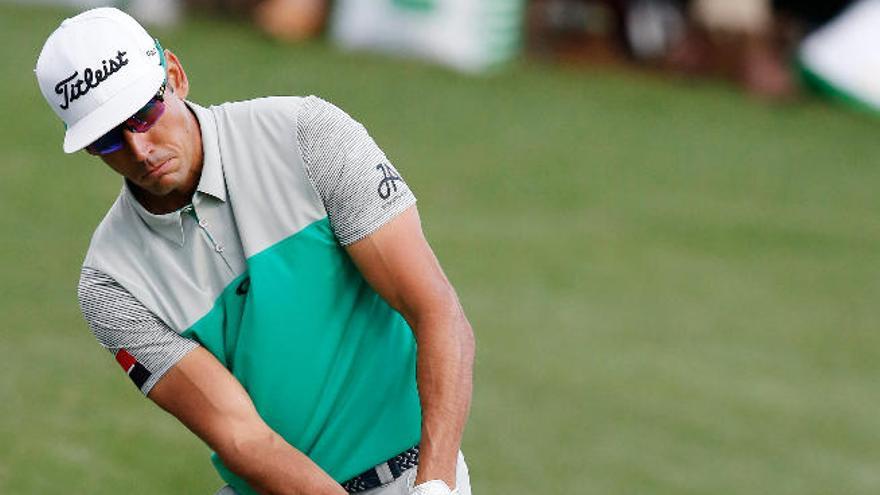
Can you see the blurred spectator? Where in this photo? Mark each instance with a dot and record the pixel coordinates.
(605, 30)
(737, 40)
(291, 20)
(652, 27)
(574, 29)
(751, 42)
(164, 13)
(151, 12)
(285, 20)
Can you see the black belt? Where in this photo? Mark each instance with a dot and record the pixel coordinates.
(383, 473)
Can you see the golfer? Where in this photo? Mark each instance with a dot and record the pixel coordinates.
(263, 276)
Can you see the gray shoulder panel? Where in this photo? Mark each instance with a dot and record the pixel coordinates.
(127, 328)
(359, 187)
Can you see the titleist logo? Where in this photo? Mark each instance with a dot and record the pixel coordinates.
(91, 78)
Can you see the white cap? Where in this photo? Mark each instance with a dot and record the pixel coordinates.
(96, 70)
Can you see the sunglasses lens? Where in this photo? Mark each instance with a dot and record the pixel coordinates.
(147, 116)
(108, 143)
(142, 121)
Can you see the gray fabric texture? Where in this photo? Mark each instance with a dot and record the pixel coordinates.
(360, 188)
(119, 321)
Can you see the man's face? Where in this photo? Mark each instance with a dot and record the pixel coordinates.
(166, 159)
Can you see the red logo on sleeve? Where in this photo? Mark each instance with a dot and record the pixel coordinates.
(134, 369)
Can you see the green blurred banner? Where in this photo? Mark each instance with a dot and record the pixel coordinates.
(469, 35)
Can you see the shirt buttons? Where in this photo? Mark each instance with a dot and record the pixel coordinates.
(219, 248)
(203, 223)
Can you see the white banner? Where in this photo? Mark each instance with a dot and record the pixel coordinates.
(845, 53)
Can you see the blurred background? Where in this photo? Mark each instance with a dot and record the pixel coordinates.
(661, 217)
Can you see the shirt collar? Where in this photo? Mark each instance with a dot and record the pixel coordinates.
(211, 182)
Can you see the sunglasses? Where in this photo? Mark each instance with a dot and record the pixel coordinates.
(141, 121)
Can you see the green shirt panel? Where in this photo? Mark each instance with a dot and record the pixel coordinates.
(329, 364)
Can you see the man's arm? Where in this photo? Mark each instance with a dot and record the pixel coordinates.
(400, 265)
(206, 398)
(187, 381)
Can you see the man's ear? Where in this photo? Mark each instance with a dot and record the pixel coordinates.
(176, 75)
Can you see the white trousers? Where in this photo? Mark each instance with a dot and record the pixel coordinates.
(402, 485)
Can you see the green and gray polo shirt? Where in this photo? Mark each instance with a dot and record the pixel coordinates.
(254, 270)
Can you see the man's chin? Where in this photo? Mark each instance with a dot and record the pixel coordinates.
(162, 186)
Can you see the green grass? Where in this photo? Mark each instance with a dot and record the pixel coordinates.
(675, 290)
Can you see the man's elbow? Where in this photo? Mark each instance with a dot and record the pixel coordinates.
(242, 452)
(466, 338)
(443, 322)
(457, 324)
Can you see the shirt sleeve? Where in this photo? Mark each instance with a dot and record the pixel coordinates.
(359, 186)
(143, 345)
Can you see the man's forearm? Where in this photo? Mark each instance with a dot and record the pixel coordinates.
(445, 380)
(272, 466)
(205, 397)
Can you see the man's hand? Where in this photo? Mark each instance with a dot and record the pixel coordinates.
(433, 487)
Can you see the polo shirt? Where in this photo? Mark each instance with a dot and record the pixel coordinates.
(255, 271)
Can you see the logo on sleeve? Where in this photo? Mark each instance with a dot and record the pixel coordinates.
(388, 184)
(135, 370)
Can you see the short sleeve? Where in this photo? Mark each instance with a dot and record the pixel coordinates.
(360, 188)
(143, 345)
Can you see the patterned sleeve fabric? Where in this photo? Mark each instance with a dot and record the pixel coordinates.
(144, 346)
(360, 188)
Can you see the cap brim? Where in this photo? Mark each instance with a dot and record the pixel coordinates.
(114, 111)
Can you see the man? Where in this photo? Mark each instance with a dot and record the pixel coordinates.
(263, 276)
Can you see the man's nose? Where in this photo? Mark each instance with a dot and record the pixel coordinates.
(139, 144)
